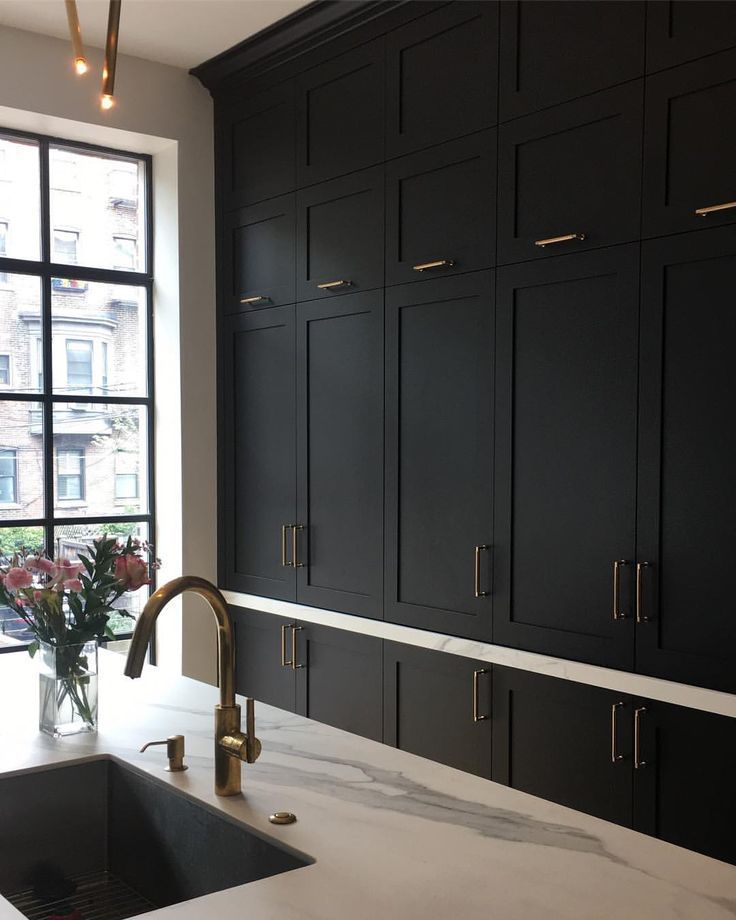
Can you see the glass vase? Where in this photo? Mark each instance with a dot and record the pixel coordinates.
(68, 688)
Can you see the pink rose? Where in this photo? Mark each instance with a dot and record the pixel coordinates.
(132, 572)
(45, 565)
(73, 584)
(67, 569)
(18, 578)
(37, 596)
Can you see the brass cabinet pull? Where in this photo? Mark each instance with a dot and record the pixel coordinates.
(476, 704)
(566, 238)
(295, 528)
(258, 298)
(617, 613)
(439, 263)
(638, 713)
(615, 756)
(294, 630)
(285, 663)
(476, 587)
(726, 206)
(640, 615)
(331, 285)
(284, 561)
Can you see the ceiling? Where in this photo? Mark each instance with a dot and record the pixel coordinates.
(179, 32)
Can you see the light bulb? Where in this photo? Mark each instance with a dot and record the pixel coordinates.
(107, 101)
(80, 65)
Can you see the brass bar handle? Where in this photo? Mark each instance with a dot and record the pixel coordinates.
(711, 209)
(615, 756)
(617, 612)
(295, 528)
(284, 561)
(294, 630)
(331, 285)
(285, 663)
(566, 238)
(638, 713)
(258, 298)
(476, 574)
(641, 617)
(438, 263)
(476, 703)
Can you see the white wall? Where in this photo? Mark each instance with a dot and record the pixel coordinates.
(163, 111)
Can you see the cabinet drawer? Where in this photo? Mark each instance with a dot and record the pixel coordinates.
(571, 175)
(683, 30)
(690, 138)
(260, 255)
(340, 236)
(440, 207)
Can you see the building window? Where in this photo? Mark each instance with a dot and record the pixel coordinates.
(65, 246)
(124, 186)
(105, 367)
(126, 485)
(4, 370)
(70, 466)
(79, 376)
(126, 255)
(8, 477)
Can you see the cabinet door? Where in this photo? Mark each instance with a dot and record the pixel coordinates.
(340, 450)
(683, 781)
(552, 52)
(257, 144)
(689, 139)
(340, 115)
(260, 255)
(263, 669)
(566, 742)
(682, 30)
(438, 706)
(566, 391)
(442, 76)
(441, 210)
(570, 177)
(259, 429)
(338, 679)
(687, 488)
(340, 236)
(439, 454)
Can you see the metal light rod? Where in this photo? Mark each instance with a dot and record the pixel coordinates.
(111, 55)
(75, 31)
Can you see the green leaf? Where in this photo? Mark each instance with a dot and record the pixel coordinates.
(33, 647)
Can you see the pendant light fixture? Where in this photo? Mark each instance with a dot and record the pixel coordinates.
(107, 100)
(75, 31)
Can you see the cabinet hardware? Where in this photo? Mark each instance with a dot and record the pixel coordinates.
(726, 206)
(615, 756)
(284, 662)
(331, 285)
(284, 561)
(258, 298)
(295, 528)
(476, 585)
(294, 630)
(439, 263)
(476, 705)
(638, 713)
(174, 752)
(617, 614)
(559, 239)
(640, 615)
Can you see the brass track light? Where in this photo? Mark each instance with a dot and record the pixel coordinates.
(111, 54)
(75, 32)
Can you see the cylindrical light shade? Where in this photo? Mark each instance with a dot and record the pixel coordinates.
(75, 32)
(111, 55)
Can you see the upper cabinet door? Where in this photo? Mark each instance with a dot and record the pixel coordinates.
(570, 177)
(340, 115)
(565, 496)
(552, 52)
(258, 148)
(689, 144)
(442, 76)
(441, 206)
(687, 488)
(683, 30)
(439, 454)
(340, 236)
(340, 451)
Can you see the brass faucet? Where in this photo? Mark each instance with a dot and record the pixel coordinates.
(231, 745)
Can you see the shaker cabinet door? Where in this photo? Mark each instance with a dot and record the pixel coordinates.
(683, 30)
(262, 668)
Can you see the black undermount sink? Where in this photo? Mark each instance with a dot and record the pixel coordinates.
(112, 843)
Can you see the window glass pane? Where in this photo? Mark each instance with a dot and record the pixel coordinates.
(20, 333)
(13, 630)
(100, 198)
(21, 460)
(65, 246)
(99, 338)
(20, 198)
(5, 370)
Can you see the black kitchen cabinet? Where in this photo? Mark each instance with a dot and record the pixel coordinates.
(687, 490)
(569, 178)
(439, 454)
(340, 236)
(263, 670)
(566, 402)
(438, 706)
(442, 76)
(338, 555)
(440, 210)
(682, 30)
(563, 741)
(553, 52)
(260, 255)
(689, 140)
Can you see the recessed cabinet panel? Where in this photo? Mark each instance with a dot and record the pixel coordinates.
(690, 138)
(262, 644)
(260, 250)
(438, 706)
(570, 177)
(439, 454)
(340, 115)
(442, 76)
(566, 389)
(682, 30)
(687, 490)
(441, 206)
(552, 52)
(340, 236)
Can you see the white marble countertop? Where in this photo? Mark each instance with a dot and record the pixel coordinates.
(393, 836)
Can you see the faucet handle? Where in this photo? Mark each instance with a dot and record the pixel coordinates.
(252, 744)
(174, 751)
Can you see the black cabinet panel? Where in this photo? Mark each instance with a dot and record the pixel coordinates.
(340, 449)
(340, 115)
(566, 742)
(441, 206)
(340, 235)
(566, 390)
(338, 679)
(442, 76)
(261, 668)
(259, 439)
(438, 706)
(690, 138)
(687, 489)
(574, 170)
(552, 52)
(682, 30)
(439, 411)
(260, 255)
